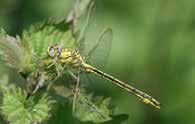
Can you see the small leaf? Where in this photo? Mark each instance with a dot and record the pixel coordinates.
(18, 110)
(88, 109)
(10, 50)
(42, 35)
(117, 119)
(4, 80)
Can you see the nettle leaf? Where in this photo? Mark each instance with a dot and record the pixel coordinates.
(44, 34)
(11, 50)
(15, 54)
(90, 109)
(20, 110)
(4, 81)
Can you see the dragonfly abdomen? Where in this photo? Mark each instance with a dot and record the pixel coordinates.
(143, 96)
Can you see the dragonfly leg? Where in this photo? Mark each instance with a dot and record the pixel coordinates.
(39, 81)
(59, 70)
(76, 91)
(58, 67)
(39, 85)
(72, 75)
(49, 66)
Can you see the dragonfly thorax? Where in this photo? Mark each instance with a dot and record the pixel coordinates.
(66, 56)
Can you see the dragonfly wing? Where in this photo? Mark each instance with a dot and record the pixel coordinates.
(99, 53)
(78, 10)
(81, 35)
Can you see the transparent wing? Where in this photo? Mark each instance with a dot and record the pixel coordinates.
(99, 53)
(96, 50)
(78, 10)
(82, 34)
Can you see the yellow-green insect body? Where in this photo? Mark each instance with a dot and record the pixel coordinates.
(67, 56)
(72, 58)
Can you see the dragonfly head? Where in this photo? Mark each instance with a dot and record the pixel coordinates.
(51, 51)
(54, 50)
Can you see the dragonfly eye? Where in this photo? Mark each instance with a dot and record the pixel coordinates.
(51, 51)
(59, 50)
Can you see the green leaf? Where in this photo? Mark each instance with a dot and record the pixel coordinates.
(18, 110)
(97, 110)
(4, 80)
(94, 110)
(117, 119)
(44, 34)
(10, 50)
(15, 54)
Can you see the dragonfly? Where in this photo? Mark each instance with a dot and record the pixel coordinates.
(72, 58)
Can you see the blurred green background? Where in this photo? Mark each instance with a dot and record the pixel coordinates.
(153, 49)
